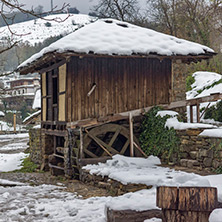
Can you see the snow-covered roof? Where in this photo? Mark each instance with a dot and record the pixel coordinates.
(30, 117)
(113, 37)
(37, 100)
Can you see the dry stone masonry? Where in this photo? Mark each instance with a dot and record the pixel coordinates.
(199, 152)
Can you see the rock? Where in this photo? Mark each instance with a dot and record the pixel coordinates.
(207, 162)
(184, 155)
(193, 154)
(202, 153)
(183, 162)
(192, 163)
(216, 164)
(193, 132)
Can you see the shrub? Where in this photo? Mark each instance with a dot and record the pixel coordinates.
(48, 24)
(189, 81)
(27, 166)
(156, 139)
(214, 112)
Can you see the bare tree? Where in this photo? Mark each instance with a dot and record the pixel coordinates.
(8, 7)
(192, 19)
(125, 10)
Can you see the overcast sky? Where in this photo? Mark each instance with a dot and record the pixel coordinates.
(83, 5)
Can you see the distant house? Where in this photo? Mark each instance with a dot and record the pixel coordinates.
(105, 72)
(21, 89)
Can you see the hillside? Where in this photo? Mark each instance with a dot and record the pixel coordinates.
(38, 30)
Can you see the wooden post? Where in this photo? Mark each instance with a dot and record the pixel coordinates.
(198, 112)
(187, 203)
(81, 143)
(14, 122)
(131, 135)
(191, 114)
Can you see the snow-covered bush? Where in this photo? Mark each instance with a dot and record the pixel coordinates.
(214, 112)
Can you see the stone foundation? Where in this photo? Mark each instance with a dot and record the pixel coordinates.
(114, 187)
(35, 146)
(199, 152)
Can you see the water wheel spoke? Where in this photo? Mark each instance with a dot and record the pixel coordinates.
(125, 147)
(114, 137)
(90, 153)
(109, 148)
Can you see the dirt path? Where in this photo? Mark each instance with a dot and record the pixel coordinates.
(74, 186)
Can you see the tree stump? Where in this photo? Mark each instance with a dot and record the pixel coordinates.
(186, 203)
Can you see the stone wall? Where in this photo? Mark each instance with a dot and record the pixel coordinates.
(178, 86)
(35, 145)
(114, 187)
(199, 152)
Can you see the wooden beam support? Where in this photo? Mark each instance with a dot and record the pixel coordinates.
(131, 134)
(125, 115)
(81, 143)
(191, 114)
(198, 112)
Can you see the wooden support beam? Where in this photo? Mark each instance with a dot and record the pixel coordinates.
(131, 134)
(198, 112)
(14, 122)
(125, 115)
(81, 143)
(191, 114)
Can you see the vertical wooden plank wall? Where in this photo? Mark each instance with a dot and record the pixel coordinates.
(122, 84)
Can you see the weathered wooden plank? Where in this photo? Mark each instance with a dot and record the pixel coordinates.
(130, 215)
(197, 198)
(167, 197)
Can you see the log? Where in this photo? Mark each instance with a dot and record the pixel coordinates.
(131, 215)
(187, 203)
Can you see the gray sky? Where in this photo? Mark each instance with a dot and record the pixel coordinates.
(82, 5)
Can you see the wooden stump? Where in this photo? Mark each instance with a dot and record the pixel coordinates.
(186, 203)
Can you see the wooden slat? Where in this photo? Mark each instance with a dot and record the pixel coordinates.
(56, 167)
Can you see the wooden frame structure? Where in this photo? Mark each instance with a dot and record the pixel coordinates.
(90, 101)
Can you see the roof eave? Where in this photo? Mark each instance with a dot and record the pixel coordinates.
(55, 57)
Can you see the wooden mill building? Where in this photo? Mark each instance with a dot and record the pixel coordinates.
(94, 78)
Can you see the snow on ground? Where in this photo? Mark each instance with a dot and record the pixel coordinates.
(9, 127)
(36, 31)
(12, 161)
(14, 136)
(144, 171)
(52, 204)
(15, 146)
(11, 147)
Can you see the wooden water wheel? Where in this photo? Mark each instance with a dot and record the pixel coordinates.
(108, 140)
